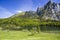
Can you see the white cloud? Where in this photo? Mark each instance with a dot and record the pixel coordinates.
(19, 11)
(4, 13)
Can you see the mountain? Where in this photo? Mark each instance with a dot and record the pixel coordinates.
(50, 11)
(27, 14)
(45, 18)
(18, 15)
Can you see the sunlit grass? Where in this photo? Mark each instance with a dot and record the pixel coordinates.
(21, 35)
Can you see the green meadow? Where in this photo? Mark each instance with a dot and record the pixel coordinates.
(29, 29)
(26, 35)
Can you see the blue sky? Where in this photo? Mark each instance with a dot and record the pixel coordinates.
(11, 7)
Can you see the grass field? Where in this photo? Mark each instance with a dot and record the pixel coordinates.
(21, 35)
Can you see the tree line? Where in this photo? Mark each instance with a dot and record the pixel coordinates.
(29, 24)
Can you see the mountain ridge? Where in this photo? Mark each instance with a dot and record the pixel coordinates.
(51, 11)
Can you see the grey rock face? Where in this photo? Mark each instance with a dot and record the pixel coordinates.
(50, 11)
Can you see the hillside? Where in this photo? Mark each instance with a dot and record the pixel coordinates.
(45, 18)
(50, 11)
(27, 14)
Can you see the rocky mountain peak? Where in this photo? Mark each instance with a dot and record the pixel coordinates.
(50, 11)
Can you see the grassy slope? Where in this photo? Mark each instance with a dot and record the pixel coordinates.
(20, 35)
(17, 15)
